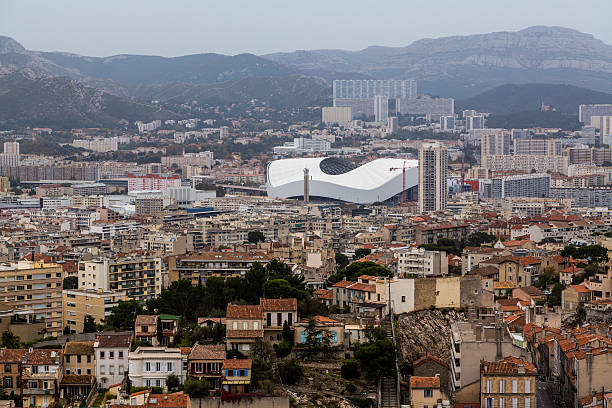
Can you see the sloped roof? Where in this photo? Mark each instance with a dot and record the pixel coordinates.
(424, 382)
(244, 312)
(237, 364)
(207, 352)
(279, 305)
(79, 347)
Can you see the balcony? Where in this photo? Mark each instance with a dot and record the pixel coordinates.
(37, 391)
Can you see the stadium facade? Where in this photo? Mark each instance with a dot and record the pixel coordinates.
(334, 179)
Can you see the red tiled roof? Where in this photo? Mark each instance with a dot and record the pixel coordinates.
(113, 340)
(174, 400)
(342, 284)
(244, 334)
(580, 288)
(279, 305)
(146, 320)
(424, 382)
(244, 312)
(428, 357)
(237, 364)
(207, 352)
(509, 365)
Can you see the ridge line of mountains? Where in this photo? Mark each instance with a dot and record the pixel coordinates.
(498, 72)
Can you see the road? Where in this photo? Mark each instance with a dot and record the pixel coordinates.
(544, 395)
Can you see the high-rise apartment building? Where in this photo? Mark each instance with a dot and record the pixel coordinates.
(370, 88)
(474, 122)
(604, 124)
(381, 109)
(10, 155)
(494, 142)
(34, 287)
(447, 122)
(433, 173)
(337, 114)
(544, 147)
(586, 111)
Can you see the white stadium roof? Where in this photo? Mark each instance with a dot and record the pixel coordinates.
(336, 179)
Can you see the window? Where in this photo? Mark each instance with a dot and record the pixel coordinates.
(111, 354)
(101, 355)
(403, 299)
(489, 403)
(428, 393)
(79, 358)
(88, 358)
(158, 383)
(527, 402)
(245, 325)
(489, 386)
(502, 402)
(255, 325)
(157, 366)
(527, 387)
(514, 386)
(148, 382)
(121, 354)
(7, 382)
(169, 367)
(290, 319)
(502, 386)
(147, 366)
(235, 325)
(88, 371)
(111, 369)
(121, 369)
(7, 368)
(514, 402)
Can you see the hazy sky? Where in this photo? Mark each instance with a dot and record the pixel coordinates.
(178, 27)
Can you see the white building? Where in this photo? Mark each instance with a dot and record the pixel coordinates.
(433, 177)
(111, 357)
(150, 182)
(420, 262)
(341, 115)
(381, 109)
(10, 156)
(151, 366)
(447, 122)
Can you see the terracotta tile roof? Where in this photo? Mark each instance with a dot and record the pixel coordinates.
(279, 305)
(507, 302)
(146, 320)
(428, 357)
(323, 319)
(244, 312)
(530, 260)
(207, 352)
(367, 277)
(244, 334)
(509, 365)
(572, 269)
(484, 271)
(79, 348)
(342, 284)
(424, 382)
(237, 364)
(113, 340)
(531, 291)
(363, 287)
(12, 355)
(221, 320)
(43, 356)
(580, 288)
(174, 400)
(324, 294)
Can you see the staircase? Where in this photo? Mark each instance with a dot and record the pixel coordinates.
(389, 393)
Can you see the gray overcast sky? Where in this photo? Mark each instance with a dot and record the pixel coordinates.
(178, 27)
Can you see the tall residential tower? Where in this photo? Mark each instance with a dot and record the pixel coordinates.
(433, 174)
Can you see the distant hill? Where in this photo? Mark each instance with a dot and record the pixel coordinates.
(463, 66)
(27, 98)
(528, 119)
(289, 91)
(513, 98)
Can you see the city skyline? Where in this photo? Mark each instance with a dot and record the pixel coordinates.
(115, 28)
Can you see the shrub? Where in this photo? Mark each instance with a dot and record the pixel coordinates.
(290, 372)
(350, 369)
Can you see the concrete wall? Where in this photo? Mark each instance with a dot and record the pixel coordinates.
(263, 402)
(402, 289)
(471, 292)
(424, 293)
(447, 293)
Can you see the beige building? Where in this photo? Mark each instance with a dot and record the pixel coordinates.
(79, 358)
(78, 303)
(341, 115)
(244, 326)
(507, 383)
(139, 278)
(433, 174)
(35, 287)
(413, 261)
(198, 267)
(425, 391)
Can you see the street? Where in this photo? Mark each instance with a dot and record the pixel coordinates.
(544, 394)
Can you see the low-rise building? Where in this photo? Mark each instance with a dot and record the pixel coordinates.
(413, 261)
(151, 366)
(277, 312)
(11, 360)
(41, 377)
(425, 391)
(79, 358)
(237, 375)
(574, 296)
(78, 303)
(244, 326)
(111, 357)
(198, 267)
(205, 362)
(507, 383)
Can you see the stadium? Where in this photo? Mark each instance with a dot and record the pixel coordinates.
(335, 179)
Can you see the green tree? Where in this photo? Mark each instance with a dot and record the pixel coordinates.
(173, 382)
(89, 324)
(196, 389)
(341, 261)
(350, 369)
(478, 238)
(255, 237)
(123, 315)
(283, 349)
(10, 340)
(262, 357)
(287, 333)
(361, 252)
(290, 372)
(377, 359)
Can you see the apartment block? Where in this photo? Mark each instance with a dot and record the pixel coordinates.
(151, 366)
(138, 278)
(507, 383)
(412, 261)
(35, 287)
(78, 303)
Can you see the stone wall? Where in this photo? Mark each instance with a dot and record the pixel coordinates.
(263, 402)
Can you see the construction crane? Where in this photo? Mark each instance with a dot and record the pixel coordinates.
(403, 181)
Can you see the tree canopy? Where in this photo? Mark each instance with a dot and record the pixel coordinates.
(356, 269)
